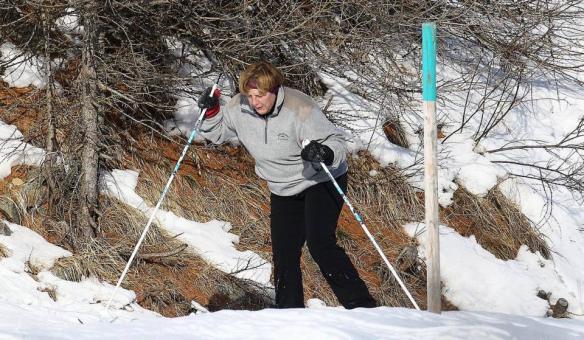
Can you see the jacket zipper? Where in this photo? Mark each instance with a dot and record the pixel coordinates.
(266, 131)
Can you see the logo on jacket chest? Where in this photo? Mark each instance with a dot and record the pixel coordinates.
(282, 136)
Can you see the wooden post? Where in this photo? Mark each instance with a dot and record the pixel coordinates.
(430, 165)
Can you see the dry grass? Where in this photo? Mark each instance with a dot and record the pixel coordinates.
(51, 292)
(496, 223)
(221, 185)
(106, 257)
(216, 183)
(3, 251)
(166, 284)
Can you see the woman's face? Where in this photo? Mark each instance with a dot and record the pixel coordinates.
(262, 103)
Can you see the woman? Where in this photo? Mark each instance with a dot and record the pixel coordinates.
(272, 121)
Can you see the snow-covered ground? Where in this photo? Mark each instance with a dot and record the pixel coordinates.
(497, 298)
(311, 323)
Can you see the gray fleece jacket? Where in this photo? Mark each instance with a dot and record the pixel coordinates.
(275, 141)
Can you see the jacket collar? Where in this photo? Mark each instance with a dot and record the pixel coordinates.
(279, 101)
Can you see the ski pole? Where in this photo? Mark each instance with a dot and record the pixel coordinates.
(164, 192)
(360, 220)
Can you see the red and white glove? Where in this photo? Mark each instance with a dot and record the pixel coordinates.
(210, 102)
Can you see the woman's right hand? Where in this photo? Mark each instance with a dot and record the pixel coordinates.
(316, 152)
(210, 102)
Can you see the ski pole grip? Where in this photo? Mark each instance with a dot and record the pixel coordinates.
(305, 143)
(202, 115)
(213, 90)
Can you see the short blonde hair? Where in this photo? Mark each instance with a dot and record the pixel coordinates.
(262, 75)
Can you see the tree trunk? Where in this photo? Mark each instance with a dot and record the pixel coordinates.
(88, 199)
(50, 139)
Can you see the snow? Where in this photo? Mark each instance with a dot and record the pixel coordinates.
(366, 131)
(69, 23)
(14, 151)
(564, 235)
(322, 323)
(28, 247)
(498, 286)
(26, 280)
(211, 240)
(469, 164)
(22, 70)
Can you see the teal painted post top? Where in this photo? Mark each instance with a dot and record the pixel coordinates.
(429, 61)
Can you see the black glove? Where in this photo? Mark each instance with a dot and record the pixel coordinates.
(316, 152)
(211, 103)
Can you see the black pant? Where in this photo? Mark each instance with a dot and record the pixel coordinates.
(312, 216)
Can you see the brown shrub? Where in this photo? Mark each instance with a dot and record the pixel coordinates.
(498, 225)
